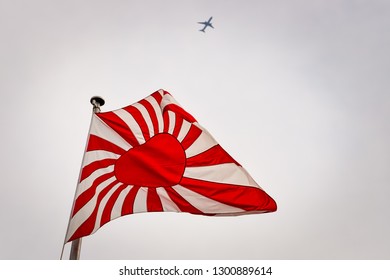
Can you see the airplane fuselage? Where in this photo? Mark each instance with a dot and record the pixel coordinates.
(206, 24)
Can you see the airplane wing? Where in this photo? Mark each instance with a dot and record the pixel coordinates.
(206, 24)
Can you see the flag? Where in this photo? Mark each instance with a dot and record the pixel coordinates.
(153, 156)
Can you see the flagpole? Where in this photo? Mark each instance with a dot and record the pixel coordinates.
(75, 250)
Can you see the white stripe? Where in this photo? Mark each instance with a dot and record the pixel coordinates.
(87, 182)
(252, 182)
(101, 129)
(203, 203)
(172, 121)
(140, 201)
(166, 100)
(131, 123)
(157, 110)
(185, 127)
(102, 205)
(205, 131)
(201, 144)
(92, 156)
(117, 209)
(83, 214)
(146, 116)
(167, 204)
(227, 173)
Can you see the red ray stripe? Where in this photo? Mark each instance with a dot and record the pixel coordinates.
(106, 215)
(87, 227)
(183, 204)
(153, 201)
(157, 95)
(97, 143)
(246, 198)
(166, 122)
(140, 120)
(87, 195)
(180, 111)
(191, 136)
(213, 156)
(152, 114)
(165, 93)
(177, 127)
(117, 124)
(128, 203)
(90, 168)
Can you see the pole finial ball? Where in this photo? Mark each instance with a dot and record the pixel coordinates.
(97, 99)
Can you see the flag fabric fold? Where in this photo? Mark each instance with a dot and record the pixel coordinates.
(153, 156)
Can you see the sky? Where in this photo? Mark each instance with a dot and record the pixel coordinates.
(296, 91)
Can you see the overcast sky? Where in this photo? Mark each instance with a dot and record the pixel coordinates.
(297, 91)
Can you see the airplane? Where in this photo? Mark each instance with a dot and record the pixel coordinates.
(206, 24)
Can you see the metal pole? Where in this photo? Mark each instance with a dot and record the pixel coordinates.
(75, 250)
(97, 101)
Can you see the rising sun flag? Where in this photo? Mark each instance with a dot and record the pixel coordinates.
(153, 156)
